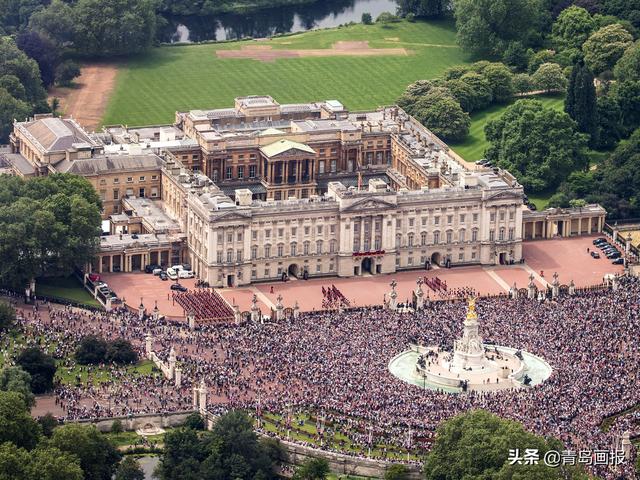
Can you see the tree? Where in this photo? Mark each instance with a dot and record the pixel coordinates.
(48, 424)
(114, 27)
(482, 92)
(538, 58)
(129, 469)
(48, 225)
(312, 469)
(628, 67)
(10, 108)
(396, 472)
(98, 457)
(516, 56)
(413, 93)
(40, 366)
(116, 426)
(55, 105)
(423, 8)
(539, 145)
(387, 17)
(572, 28)
(66, 72)
(14, 61)
(50, 463)
(12, 84)
(580, 103)
(16, 424)
(91, 350)
(15, 379)
(443, 116)
(366, 18)
(14, 462)
(121, 351)
(610, 129)
(194, 421)
(627, 95)
(463, 93)
(183, 452)
(56, 22)
(43, 51)
(605, 47)
(522, 83)
(549, 77)
(7, 316)
(500, 80)
(485, 27)
(476, 444)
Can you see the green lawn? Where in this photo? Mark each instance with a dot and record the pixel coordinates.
(540, 200)
(473, 147)
(151, 88)
(66, 288)
(68, 376)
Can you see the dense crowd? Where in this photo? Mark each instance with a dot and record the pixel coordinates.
(339, 364)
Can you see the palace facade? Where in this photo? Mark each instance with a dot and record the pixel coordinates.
(262, 190)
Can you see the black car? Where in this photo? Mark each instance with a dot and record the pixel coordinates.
(599, 241)
(618, 261)
(595, 254)
(180, 288)
(150, 268)
(164, 276)
(610, 250)
(613, 255)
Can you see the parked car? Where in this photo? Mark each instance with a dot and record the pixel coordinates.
(94, 277)
(116, 268)
(157, 271)
(595, 254)
(610, 250)
(600, 240)
(164, 276)
(613, 255)
(177, 267)
(186, 266)
(618, 261)
(185, 274)
(180, 288)
(151, 268)
(172, 274)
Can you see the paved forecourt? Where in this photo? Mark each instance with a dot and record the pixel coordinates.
(568, 257)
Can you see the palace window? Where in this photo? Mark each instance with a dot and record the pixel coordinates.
(501, 234)
(229, 174)
(334, 166)
(511, 233)
(229, 237)
(321, 166)
(267, 253)
(219, 257)
(254, 253)
(252, 171)
(449, 219)
(319, 247)
(229, 256)
(436, 220)
(462, 216)
(398, 241)
(305, 248)
(462, 234)
(280, 250)
(294, 249)
(238, 255)
(378, 244)
(474, 235)
(492, 235)
(436, 237)
(423, 238)
(449, 236)
(332, 246)
(240, 172)
(492, 217)
(410, 240)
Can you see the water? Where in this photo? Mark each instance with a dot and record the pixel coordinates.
(148, 464)
(270, 22)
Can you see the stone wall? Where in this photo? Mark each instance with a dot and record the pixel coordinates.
(134, 422)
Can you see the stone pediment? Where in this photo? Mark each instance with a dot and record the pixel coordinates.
(369, 204)
(292, 152)
(503, 194)
(231, 216)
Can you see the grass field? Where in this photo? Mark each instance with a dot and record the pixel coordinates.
(69, 376)
(65, 288)
(151, 88)
(475, 144)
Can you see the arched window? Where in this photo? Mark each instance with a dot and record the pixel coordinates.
(474, 235)
(436, 237)
(501, 234)
(449, 236)
(294, 249)
(423, 238)
(398, 241)
(280, 250)
(410, 240)
(462, 234)
(332, 246)
(319, 247)
(305, 247)
(267, 251)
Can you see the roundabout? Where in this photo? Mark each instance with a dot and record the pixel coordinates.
(471, 365)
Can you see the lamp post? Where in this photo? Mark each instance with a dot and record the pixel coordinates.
(626, 252)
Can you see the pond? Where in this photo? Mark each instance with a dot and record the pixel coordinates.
(270, 22)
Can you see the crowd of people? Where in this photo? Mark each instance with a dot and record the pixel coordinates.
(338, 364)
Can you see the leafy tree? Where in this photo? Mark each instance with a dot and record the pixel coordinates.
(129, 469)
(312, 469)
(91, 350)
(580, 103)
(116, 426)
(66, 72)
(12, 84)
(15, 379)
(539, 145)
(10, 108)
(366, 18)
(56, 22)
(424, 8)
(183, 452)
(486, 27)
(53, 464)
(413, 93)
(538, 58)
(463, 93)
(476, 445)
(396, 471)
(572, 27)
(16, 424)
(522, 83)
(121, 351)
(114, 27)
(387, 17)
(443, 116)
(98, 457)
(516, 56)
(48, 424)
(40, 366)
(626, 9)
(627, 95)
(455, 72)
(549, 77)
(610, 129)
(605, 47)
(194, 421)
(628, 67)
(482, 92)
(7, 316)
(500, 80)
(14, 61)
(14, 462)
(48, 225)
(43, 51)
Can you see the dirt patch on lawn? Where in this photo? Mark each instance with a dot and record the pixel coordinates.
(265, 53)
(87, 100)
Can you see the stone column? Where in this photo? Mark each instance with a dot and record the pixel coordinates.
(255, 311)
(279, 309)
(202, 402)
(191, 319)
(196, 397)
(110, 263)
(393, 296)
(625, 445)
(148, 344)
(296, 310)
(237, 316)
(514, 291)
(172, 362)
(555, 286)
(419, 295)
(531, 289)
(178, 377)
(572, 288)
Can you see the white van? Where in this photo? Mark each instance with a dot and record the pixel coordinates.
(172, 274)
(177, 268)
(185, 274)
